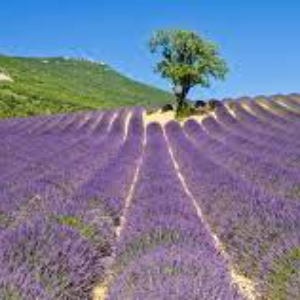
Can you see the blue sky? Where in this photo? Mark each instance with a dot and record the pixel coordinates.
(258, 38)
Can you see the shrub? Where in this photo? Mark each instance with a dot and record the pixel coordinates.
(200, 104)
(186, 111)
(213, 104)
(167, 107)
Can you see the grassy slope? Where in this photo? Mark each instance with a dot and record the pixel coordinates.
(56, 85)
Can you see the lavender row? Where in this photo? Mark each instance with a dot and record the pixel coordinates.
(249, 223)
(267, 153)
(25, 125)
(251, 167)
(265, 129)
(251, 126)
(274, 112)
(39, 128)
(71, 250)
(65, 148)
(278, 119)
(53, 258)
(18, 145)
(289, 103)
(65, 175)
(282, 110)
(276, 115)
(108, 188)
(238, 127)
(165, 251)
(12, 126)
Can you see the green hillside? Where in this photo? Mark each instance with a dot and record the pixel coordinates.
(56, 85)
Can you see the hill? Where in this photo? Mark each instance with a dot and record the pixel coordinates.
(31, 86)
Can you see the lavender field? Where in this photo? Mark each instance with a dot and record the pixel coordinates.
(105, 205)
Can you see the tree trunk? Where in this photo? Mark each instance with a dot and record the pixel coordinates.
(180, 102)
(181, 92)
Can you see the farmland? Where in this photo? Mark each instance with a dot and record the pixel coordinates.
(107, 205)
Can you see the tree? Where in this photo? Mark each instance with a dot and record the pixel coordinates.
(187, 60)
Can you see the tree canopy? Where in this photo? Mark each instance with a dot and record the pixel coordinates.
(187, 60)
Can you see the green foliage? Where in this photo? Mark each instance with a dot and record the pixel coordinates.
(213, 105)
(9, 292)
(284, 269)
(186, 110)
(5, 219)
(59, 85)
(147, 242)
(167, 107)
(85, 230)
(187, 60)
(200, 104)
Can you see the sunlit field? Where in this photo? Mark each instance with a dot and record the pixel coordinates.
(123, 205)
